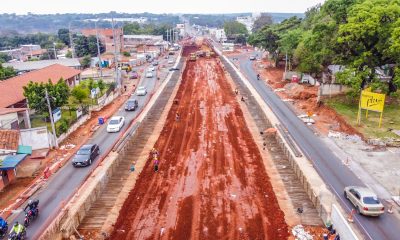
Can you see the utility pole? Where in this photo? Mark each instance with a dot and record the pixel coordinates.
(51, 119)
(71, 42)
(98, 50)
(55, 52)
(115, 54)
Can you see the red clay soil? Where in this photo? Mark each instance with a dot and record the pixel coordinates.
(306, 101)
(212, 183)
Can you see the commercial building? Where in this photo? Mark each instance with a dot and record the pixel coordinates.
(36, 65)
(106, 36)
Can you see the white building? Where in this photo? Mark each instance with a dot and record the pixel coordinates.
(248, 21)
(181, 29)
(218, 33)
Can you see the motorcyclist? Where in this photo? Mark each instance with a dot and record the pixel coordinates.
(3, 227)
(17, 229)
(33, 207)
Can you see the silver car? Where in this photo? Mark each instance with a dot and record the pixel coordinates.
(365, 201)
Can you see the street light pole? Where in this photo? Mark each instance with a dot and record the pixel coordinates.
(51, 119)
(98, 49)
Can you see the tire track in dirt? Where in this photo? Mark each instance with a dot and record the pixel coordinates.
(212, 183)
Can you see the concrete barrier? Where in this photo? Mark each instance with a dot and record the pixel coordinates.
(341, 225)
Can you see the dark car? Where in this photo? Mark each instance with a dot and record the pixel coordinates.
(174, 69)
(155, 63)
(85, 155)
(134, 75)
(131, 105)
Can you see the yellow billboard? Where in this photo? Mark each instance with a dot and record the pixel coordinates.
(372, 101)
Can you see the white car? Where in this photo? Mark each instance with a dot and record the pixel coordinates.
(149, 74)
(171, 61)
(141, 91)
(115, 124)
(151, 69)
(364, 200)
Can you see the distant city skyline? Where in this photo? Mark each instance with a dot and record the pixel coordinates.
(156, 6)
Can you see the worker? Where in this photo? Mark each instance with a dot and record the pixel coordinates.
(155, 167)
(258, 76)
(242, 99)
(3, 227)
(17, 229)
(236, 91)
(132, 168)
(125, 88)
(177, 116)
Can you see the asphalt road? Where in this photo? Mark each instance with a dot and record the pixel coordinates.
(330, 168)
(63, 183)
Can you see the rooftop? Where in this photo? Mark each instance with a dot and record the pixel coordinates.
(9, 139)
(11, 110)
(35, 65)
(11, 90)
(12, 161)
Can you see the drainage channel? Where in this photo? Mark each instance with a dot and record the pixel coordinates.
(97, 214)
(293, 186)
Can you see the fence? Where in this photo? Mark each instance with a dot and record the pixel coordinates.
(326, 89)
(38, 138)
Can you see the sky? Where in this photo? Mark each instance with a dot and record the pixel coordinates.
(155, 6)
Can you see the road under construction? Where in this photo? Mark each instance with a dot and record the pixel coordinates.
(217, 177)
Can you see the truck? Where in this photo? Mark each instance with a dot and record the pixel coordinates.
(192, 57)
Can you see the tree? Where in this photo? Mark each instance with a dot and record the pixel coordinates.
(4, 57)
(63, 35)
(80, 93)
(6, 72)
(131, 28)
(87, 46)
(233, 28)
(264, 20)
(85, 61)
(365, 40)
(35, 94)
(68, 54)
(101, 85)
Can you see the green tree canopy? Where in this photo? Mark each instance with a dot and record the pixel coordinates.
(36, 96)
(6, 72)
(233, 28)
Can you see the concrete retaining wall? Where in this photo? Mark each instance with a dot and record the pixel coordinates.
(65, 223)
(312, 183)
(331, 89)
(38, 138)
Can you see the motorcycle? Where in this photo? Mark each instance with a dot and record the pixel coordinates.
(14, 236)
(3, 231)
(27, 219)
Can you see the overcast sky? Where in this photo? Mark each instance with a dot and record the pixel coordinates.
(155, 6)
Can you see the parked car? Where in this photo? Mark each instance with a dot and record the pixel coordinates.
(115, 124)
(364, 200)
(131, 105)
(149, 75)
(174, 69)
(141, 91)
(85, 155)
(171, 61)
(252, 58)
(155, 63)
(151, 69)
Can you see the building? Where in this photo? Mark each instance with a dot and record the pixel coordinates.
(9, 168)
(36, 65)
(218, 34)
(26, 52)
(144, 43)
(181, 29)
(14, 118)
(106, 36)
(12, 92)
(248, 21)
(9, 140)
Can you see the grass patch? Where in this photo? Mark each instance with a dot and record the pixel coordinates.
(369, 126)
(39, 120)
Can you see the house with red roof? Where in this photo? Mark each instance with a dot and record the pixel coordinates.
(14, 112)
